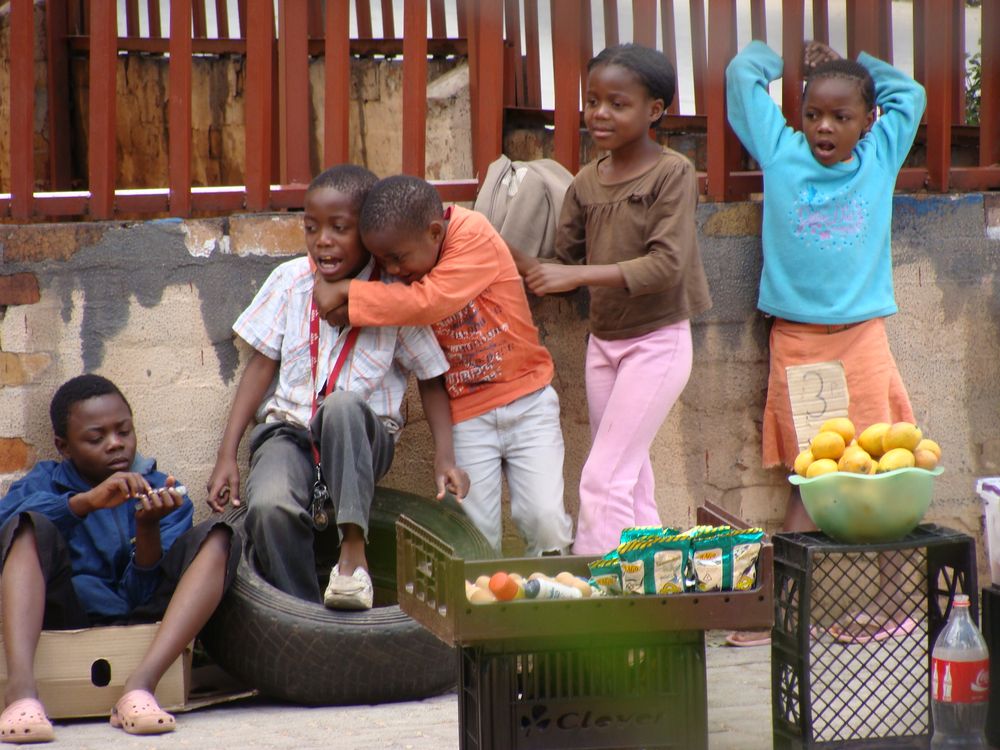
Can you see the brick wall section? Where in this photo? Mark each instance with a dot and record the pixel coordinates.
(15, 455)
(19, 369)
(19, 289)
(32, 243)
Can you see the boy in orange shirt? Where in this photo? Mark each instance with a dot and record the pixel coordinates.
(459, 277)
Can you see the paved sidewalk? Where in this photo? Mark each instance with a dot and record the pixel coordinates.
(739, 717)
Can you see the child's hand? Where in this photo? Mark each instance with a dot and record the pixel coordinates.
(550, 278)
(339, 317)
(224, 485)
(158, 503)
(329, 295)
(112, 492)
(451, 479)
(815, 53)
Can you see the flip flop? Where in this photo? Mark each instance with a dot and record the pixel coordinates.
(864, 629)
(24, 721)
(742, 638)
(137, 712)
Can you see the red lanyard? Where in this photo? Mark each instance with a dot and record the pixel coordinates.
(345, 350)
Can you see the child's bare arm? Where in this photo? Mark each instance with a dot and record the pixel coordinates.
(224, 482)
(524, 263)
(447, 476)
(815, 53)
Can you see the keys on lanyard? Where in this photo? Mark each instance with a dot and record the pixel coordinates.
(321, 503)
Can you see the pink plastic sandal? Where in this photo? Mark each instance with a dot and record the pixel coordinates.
(137, 712)
(742, 638)
(864, 629)
(24, 721)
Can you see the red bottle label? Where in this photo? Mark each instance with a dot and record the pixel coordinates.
(960, 681)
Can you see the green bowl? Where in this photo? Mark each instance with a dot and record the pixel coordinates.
(867, 509)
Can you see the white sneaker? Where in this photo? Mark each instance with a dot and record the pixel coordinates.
(349, 592)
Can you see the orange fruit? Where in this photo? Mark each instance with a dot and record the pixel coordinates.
(821, 466)
(842, 426)
(855, 460)
(827, 445)
(802, 462)
(928, 445)
(897, 458)
(871, 439)
(901, 435)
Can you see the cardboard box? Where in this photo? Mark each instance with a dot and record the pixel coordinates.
(81, 673)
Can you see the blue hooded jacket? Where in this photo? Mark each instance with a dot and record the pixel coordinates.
(102, 544)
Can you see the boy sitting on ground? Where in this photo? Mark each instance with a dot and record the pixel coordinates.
(336, 410)
(103, 538)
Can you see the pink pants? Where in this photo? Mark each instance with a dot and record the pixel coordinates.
(631, 386)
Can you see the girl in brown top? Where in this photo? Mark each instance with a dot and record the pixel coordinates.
(627, 232)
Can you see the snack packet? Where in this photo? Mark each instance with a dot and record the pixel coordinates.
(654, 564)
(631, 533)
(606, 575)
(746, 550)
(725, 561)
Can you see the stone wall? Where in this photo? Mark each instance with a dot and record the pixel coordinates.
(151, 304)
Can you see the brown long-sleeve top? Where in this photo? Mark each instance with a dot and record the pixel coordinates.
(645, 225)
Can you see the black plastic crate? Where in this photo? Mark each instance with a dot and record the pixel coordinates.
(828, 694)
(991, 632)
(605, 693)
(604, 673)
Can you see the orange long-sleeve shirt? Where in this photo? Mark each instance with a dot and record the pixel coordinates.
(474, 301)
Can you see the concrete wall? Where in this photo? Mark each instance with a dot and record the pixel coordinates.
(150, 305)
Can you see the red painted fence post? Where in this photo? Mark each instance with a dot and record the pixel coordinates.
(415, 87)
(566, 67)
(724, 149)
(179, 108)
(989, 101)
(22, 108)
(258, 103)
(102, 145)
(293, 102)
(938, 38)
(337, 101)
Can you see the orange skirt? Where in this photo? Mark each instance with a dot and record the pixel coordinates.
(875, 390)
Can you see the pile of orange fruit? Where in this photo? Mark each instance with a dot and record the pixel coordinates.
(879, 448)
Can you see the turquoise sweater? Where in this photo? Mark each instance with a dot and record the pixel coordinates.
(827, 230)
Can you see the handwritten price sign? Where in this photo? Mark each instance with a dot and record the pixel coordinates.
(818, 392)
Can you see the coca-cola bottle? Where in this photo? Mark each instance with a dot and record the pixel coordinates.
(960, 681)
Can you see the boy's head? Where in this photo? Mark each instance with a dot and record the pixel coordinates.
(402, 224)
(650, 68)
(332, 203)
(92, 422)
(838, 108)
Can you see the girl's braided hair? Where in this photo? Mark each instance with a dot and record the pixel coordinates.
(650, 66)
(850, 70)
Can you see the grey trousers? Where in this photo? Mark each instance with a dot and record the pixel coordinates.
(355, 450)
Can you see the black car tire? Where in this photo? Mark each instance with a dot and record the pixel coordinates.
(302, 652)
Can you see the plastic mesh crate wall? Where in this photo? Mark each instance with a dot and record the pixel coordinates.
(826, 692)
(991, 631)
(609, 693)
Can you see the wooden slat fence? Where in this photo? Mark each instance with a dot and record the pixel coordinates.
(506, 46)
